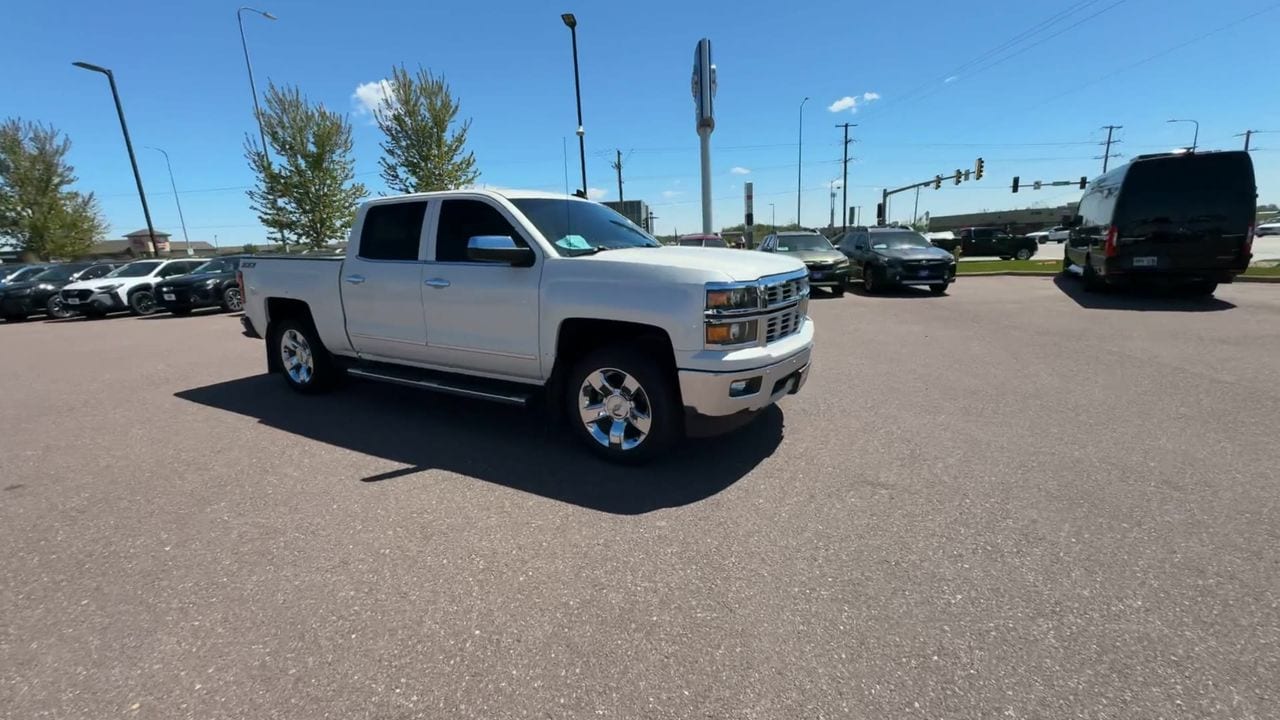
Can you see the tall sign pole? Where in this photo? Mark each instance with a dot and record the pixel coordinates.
(749, 219)
(704, 91)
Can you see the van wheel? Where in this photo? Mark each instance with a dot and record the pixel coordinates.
(1092, 282)
(305, 364)
(623, 405)
(1066, 264)
(1204, 288)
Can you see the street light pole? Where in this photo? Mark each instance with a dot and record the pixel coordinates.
(773, 216)
(1195, 140)
(800, 160)
(128, 144)
(257, 111)
(571, 22)
(172, 184)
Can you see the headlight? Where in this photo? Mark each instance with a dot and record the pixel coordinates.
(108, 288)
(732, 333)
(842, 263)
(45, 286)
(741, 298)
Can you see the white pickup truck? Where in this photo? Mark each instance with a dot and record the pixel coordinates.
(510, 296)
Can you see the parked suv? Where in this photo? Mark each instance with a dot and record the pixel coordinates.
(129, 287)
(1182, 218)
(887, 257)
(828, 267)
(989, 241)
(213, 283)
(700, 240)
(20, 300)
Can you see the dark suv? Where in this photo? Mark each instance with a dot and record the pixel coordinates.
(989, 241)
(213, 283)
(1183, 218)
(890, 256)
(20, 300)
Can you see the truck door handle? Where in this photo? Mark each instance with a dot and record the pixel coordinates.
(437, 283)
(355, 279)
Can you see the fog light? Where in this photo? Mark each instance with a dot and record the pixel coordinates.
(740, 388)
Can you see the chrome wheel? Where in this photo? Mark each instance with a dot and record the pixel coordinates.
(614, 409)
(295, 353)
(232, 299)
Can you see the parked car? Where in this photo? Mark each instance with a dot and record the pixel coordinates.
(512, 295)
(211, 284)
(1270, 227)
(702, 241)
(23, 274)
(989, 242)
(1175, 218)
(1057, 233)
(128, 287)
(7, 269)
(888, 257)
(828, 267)
(20, 300)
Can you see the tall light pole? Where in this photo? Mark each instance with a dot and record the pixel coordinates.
(128, 144)
(800, 160)
(176, 199)
(257, 112)
(1195, 140)
(773, 216)
(571, 22)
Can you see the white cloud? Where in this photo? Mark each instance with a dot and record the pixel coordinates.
(368, 97)
(869, 96)
(951, 79)
(845, 103)
(669, 194)
(597, 193)
(739, 170)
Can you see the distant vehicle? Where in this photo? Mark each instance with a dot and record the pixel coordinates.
(1270, 227)
(1057, 233)
(8, 269)
(989, 242)
(22, 274)
(1176, 218)
(213, 283)
(888, 257)
(828, 267)
(702, 241)
(20, 300)
(128, 287)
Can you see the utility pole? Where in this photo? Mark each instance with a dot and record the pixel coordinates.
(844, 196)
(617, 165)
(1247, 134)
(1106, 153)
(915, 210)
(800, 159)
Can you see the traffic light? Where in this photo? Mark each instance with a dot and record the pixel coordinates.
(937, 182)
(879, 213)
(957, 176)
(967, 174)
(978, 168)
(1037, 185)
(1015, 183)
(1083, 181)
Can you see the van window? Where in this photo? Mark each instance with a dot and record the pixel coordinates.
(1212, 192)
(392, 231)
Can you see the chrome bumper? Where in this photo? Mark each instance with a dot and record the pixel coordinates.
(707, 393)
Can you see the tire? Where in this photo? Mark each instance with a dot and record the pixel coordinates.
(232, 301)
(870, 285)
(1066, 263)
(143, 302)
(55, 308)
(939, 289)
(1204, 288)
(837, 291)
(623, 405)
(1023, 254)
(1092, 282)
(180, 312)
(304, 363)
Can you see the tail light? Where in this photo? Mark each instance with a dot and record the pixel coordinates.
(1109, 249)
(240, 283)
(1248, 241)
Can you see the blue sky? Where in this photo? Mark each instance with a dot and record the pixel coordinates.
(937, 84)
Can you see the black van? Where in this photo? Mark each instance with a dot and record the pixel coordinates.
(1184, 218)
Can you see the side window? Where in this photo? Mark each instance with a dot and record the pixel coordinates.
(172, 269)
(95, 272)
(392, 231)
(862, 241)
(461, 220)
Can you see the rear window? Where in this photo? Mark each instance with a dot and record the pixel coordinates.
(1194, 190)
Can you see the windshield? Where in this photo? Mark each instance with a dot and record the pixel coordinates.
(25, 274)
(794, 243)
(576, 227)
(58, 274)
(888, 240)
(136, 269)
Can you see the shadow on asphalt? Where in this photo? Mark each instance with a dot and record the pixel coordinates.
(1142, 299)
(514, 447)
(197, 312)
(900, 291)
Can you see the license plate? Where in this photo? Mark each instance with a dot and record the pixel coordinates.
(170, 297)
(924, 273)
(73, 301)
(817, 275)
(1144, 262)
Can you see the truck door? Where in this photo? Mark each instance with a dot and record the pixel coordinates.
(481, 316)
(382, 283)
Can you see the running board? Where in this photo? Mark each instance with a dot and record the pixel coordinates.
(438, 382)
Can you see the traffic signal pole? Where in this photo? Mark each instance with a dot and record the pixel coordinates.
(959, 176)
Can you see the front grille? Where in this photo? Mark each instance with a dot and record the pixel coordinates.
(80, 295)
(780, 325)
(933, 267)
(781, 293)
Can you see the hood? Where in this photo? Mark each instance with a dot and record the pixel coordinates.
(914, 253)
(189, 280)
(815, 256)
(104, 281)
(6, 287)
(737, 265)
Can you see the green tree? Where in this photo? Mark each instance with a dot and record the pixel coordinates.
(422, 154)
(249, 248)
(38, 213)
(309, 192)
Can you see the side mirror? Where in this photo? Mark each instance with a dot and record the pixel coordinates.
(499, 249)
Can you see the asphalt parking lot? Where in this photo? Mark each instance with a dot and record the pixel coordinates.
(1015, 501)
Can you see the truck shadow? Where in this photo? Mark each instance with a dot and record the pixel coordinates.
(1138, 298)
(514, 447)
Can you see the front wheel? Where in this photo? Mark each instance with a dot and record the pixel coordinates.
(1023, 254)
(870, 284)
(55, 308)
(1204, 288)
(304, 362)
(837, 291)
(623, 404)
(940, 289)
(143, 302)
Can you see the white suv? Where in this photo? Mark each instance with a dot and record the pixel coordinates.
(126, 288)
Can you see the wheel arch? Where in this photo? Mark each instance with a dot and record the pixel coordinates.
(278, 310)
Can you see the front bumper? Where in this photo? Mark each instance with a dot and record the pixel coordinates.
(186, 298)
(828, 277)
(707, 394)
(97, 303)
(906, 276)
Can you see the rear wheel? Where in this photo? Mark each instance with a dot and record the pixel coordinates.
(1066, 263)
(56, 309)
(837, 291)
(623, 404)
(305, 364)
(1204, 288)
(870, 283)
(143, 302)
(1092, 282)
(1023, 254)
(232, 300)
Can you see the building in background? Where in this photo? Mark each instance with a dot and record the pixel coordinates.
(1014, 221)
(637, 211)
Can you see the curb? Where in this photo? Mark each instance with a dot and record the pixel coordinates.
(1037, 273)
